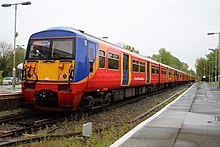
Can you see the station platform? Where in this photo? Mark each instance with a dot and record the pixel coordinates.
(192, 120)
(8, 90)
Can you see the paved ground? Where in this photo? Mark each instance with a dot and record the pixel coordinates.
(7, 89)
(193, 120)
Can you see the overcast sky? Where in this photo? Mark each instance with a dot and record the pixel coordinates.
(179, 26)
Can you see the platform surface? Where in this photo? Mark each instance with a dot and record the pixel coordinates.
(8, 90)
(192, 120)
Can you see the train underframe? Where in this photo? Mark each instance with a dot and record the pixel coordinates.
(51, 98)
(94, 100)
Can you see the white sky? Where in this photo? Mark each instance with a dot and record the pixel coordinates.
(180, 26)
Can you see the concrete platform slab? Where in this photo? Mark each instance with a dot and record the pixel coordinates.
(147, 142)
(7, 90)
(192, 120)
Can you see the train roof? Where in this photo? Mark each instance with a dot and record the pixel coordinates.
(69, 31)
(58, 31)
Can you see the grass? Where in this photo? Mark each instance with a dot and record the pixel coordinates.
(104, 137)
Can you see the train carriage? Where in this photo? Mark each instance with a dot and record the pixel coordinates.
(154, 72)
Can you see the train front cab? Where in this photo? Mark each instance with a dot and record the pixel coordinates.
(56, 69)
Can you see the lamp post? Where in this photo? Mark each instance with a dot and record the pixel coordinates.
(216, 62)
(15, 35)
(219, 55)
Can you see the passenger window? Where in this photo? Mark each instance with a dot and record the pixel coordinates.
(135, 65)
(163, 71)
(157, 70)
(153, 69)
(170, 72)
(113, 61)
(102, 59)
(142, 67)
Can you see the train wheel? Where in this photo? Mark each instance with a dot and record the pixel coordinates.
(87, 103)
(108, 98)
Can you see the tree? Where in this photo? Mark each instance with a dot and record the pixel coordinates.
(201, 67)
(130, 48)
(165, 57)
(154, 57)
(19, 58)
(212, 59)
(6, 58)
(208, 66)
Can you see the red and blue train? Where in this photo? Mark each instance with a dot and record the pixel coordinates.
(66, 69)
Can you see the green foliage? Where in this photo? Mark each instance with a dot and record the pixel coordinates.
(6, 58)
(130, 48)
(154, 57)
(165, 57)
(207, 66)
(19, 59)
(201, 67)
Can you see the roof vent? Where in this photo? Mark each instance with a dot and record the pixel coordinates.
(81, 31)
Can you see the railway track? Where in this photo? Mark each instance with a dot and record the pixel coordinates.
(10, 100)
(19, 116)
(27, 124)
(11, 95)
(95, 118)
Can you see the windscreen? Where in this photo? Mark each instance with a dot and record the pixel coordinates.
(51, 49)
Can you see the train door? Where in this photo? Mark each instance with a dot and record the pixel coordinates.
(173, 75)
(125, 69)
(148, 72)
(159, 74)
(176, 75)
(92, 51)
